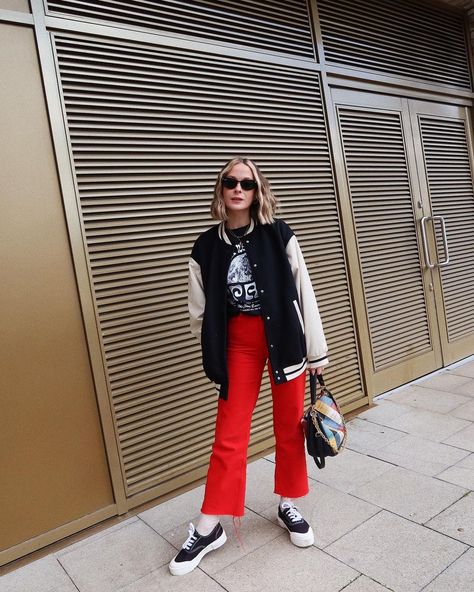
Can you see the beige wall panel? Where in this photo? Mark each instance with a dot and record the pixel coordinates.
(18, 5)
(54, 468)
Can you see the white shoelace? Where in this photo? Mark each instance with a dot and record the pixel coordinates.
(293, 513)
(188, 543)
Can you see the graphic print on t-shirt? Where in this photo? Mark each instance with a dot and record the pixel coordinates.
(241, 288)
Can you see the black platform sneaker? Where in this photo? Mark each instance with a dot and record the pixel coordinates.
(301, 533)
(194, 549)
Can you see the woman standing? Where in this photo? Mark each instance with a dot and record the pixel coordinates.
(251, 301)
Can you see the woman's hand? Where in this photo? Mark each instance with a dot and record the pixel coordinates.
(318, 370)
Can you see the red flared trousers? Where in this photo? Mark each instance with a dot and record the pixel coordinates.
(226, 478)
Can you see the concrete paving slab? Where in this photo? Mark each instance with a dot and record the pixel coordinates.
(423, 456)
(409, 494)
(160, 580)
(95, 538)
(348, 470)
(117, 559)
(462, 473)
(458, 577)
(255, 531)
(365, 584)
(367, 437)
(331, 513)
(463, 439)
(457, 521)
(399, 554)
(183, 508)
(466, 389)
(428, 424)
(44, 575)
(260, 485)
(465, 411)
(466, 369)
(443, 381)
(384, 410)
(279, 566)
(429, 399)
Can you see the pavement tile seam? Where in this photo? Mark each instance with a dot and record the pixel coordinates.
(95, 537)
(213, 578)
(161, 537)
(144, 575)
(155, 531)
(356, 526)
(359, 574)
(216, 573)
(445, 569)
(352, 494)
(466, 450)
(379, 424)
(58, 559)
(426, 525)
(437, 475)
(67, 574)
(372, 578)
(155, 568)
(466, 489)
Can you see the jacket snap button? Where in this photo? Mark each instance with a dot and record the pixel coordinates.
(255, 265)
(271, 344)
(262, 291)
(268, 318)
(247, 241)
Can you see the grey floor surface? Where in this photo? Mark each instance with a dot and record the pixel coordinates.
(395, 511)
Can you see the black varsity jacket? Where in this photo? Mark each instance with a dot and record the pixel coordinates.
(293, 327)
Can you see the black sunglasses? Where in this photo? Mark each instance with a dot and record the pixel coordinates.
(232, 182)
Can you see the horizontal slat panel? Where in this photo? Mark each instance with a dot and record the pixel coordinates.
(147, 145)
(406, 38)
(272, 26)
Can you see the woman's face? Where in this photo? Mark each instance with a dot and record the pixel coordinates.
(238, 199)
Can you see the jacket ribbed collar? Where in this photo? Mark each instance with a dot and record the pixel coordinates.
(223, 234)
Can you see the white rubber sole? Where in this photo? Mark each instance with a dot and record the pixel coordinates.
(299, 539)
(181, 568)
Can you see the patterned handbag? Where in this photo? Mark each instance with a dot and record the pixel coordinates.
(323, 424)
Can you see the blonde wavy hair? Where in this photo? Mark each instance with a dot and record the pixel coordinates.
(264, 204)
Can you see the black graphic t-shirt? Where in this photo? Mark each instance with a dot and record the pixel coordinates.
(242, 295)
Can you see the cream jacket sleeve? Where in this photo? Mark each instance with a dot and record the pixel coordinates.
(196, 298)
(316, 345)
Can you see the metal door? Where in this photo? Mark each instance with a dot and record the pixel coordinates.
(443, 148)
(393, 288)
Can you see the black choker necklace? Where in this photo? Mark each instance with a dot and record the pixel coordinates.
(238, 238)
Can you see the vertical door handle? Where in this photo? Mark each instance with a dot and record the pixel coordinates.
(445, 241)
(425, 241)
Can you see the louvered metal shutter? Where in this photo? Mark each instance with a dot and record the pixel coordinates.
(450, 187)
(386, 234)
(398, 37)
(149, 129)
(272, 26)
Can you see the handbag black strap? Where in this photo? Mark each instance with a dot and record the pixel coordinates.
(312, 385)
